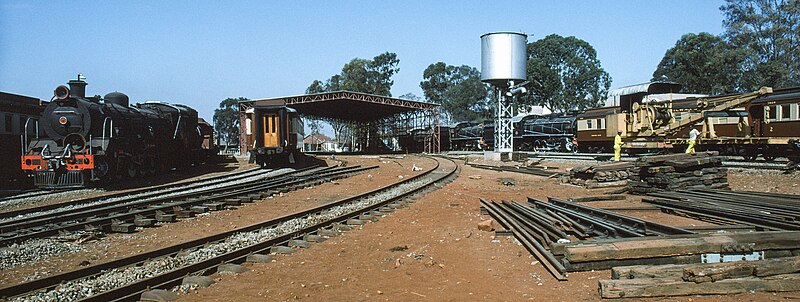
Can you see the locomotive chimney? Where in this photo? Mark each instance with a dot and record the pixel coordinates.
(77, 88)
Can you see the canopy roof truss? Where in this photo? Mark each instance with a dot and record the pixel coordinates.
(374, 120)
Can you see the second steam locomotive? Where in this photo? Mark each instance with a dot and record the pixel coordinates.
(102, 138)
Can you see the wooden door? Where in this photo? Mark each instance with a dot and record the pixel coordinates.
(271, 126)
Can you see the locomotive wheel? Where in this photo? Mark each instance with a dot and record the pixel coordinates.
(121, 167)
(101, 167)
(152, 169)
(132, 171)
(769, 157)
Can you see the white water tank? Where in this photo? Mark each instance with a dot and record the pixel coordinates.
(503, 57)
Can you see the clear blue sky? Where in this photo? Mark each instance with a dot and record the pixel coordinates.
(200, 52)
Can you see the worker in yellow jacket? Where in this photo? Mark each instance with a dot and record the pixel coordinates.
(692, 140)
(618, 145)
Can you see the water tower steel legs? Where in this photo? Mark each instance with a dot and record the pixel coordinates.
(504, 128)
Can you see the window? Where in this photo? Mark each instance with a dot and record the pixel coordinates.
(589, 124)
(601, 124)
(794, 112)
(770, 112)
(786, 112)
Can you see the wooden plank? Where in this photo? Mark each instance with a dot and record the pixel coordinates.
(648, 247)
(662, 158)
(671, 271)
(637, 288)
(611, 263)
(713, 272)
(591, 184)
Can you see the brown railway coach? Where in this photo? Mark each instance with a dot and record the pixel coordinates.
(594, 133)
(273, 134)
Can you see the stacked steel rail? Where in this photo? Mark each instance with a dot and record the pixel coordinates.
(539, 224)
(764, 211)
(131, 291)
(125, 214)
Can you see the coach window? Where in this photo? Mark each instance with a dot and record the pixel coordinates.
(589, 124)
(786, 112)
(770, 112)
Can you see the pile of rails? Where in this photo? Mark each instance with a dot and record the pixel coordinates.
(678, 171)
(538, 225)
(655, 173)
(764, 211)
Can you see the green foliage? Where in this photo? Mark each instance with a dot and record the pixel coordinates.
(703, 63)
(359, 75)
(565, 74)
(410, 96)
(226, 120)
(769, 32)
(313, 124)
(458, 89)
(316, 87)
(362, 75)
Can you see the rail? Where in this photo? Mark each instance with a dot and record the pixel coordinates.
(171, 277)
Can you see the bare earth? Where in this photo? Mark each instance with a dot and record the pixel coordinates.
(430, 251)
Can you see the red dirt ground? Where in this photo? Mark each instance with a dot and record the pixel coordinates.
(429, 251)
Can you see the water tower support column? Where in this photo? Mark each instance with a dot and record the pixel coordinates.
(504, 134)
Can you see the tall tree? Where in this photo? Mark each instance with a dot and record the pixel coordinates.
(360, 75)
(458, 89)
(703, 63)
(410, 96)
(769, 30)
(226, 120)
(565, 73)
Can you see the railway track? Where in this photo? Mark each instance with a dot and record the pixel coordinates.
(125, 279)
(44, 194)
(125, 213)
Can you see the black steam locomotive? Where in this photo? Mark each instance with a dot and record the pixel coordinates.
(106, 138)
(551, 132)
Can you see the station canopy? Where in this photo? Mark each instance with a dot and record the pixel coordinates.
(386, 116)
(348, 106)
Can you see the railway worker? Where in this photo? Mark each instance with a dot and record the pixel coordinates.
(618, 145)
(692, 140)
